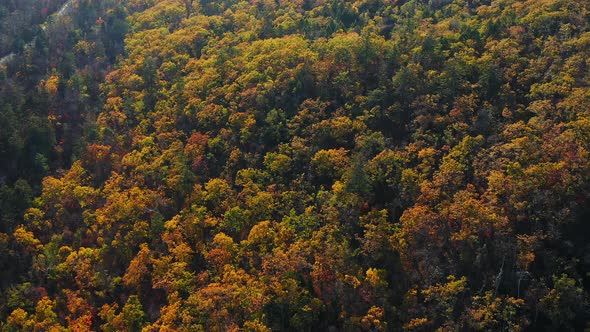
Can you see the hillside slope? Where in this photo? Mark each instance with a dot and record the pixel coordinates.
(315, 165)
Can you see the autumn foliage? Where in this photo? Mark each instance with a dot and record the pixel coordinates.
(313, 165)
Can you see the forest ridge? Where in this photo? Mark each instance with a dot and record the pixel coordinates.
(295, 165)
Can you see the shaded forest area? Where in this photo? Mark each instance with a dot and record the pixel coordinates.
(20, 21)
(295, 165)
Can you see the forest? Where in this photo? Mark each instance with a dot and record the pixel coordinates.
(294, 165)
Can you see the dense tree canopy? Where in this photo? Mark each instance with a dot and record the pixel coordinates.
(302, 165)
